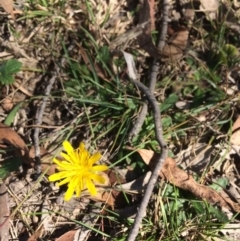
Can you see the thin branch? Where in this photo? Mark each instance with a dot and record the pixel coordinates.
(154, 71)
(164, 151)
(163, 35)
(39, 117)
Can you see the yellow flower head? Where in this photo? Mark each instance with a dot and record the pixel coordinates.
(78, 171)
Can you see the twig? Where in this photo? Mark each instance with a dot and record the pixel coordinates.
(153, 75)
(4, 212)
(39, 117)
(162, 38)
(164, 151)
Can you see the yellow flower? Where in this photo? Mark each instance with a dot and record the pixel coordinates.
(78, 171)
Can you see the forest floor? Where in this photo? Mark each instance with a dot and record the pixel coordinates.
(65, 75)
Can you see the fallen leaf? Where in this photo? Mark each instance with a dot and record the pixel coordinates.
(151, 13)
(10, 137)
(231, 231)
(183, 105)
(132, 71)
(82, 234)
(4, 213)
(146, 14)
(170, 172)
(173, 50)
(210, 7)
(107, 195)
(189, 14)
(68, 236)
(176, 45)
(195, 158)
(7, 104)
(147, 155)
(137, 185)
(126, 37)
(235, 138)
(36, 234)
(103, 193)
(7, 5)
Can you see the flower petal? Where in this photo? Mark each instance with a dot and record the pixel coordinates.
(64, 167)
(91, 187)
(69, 192)
(68, 147)
(79, 188)
(83, 155)
(97, 178)
(94, 158)
(60, 175)
(78, 171)
(55, 177)
(62, 164)
(76, 181)
(100, 168)
(66, 157)
(70, 152)
(64, 181)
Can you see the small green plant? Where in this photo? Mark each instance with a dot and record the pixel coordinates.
(228, 55)
(7, 69)
(10, 165)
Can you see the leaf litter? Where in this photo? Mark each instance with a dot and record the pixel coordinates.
(7, 5)
(174, 49)
(183, 180)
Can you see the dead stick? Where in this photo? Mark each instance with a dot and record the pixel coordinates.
(154, 71)
(164, 151)
(39, 117)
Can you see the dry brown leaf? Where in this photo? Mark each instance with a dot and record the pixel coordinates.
(46, 160)
(235, 138)
(36, 235)
(146, 155)
(210, 7)
(7, 5)
(105, 196)
(137, 185)
(196, 157)
(4, 213)
(68, 236)
(111, 197)
(183, 180)
(176, 45)
(126, 37)
(10, 137)
(189, 14)
(7, 104)
(146, 14)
